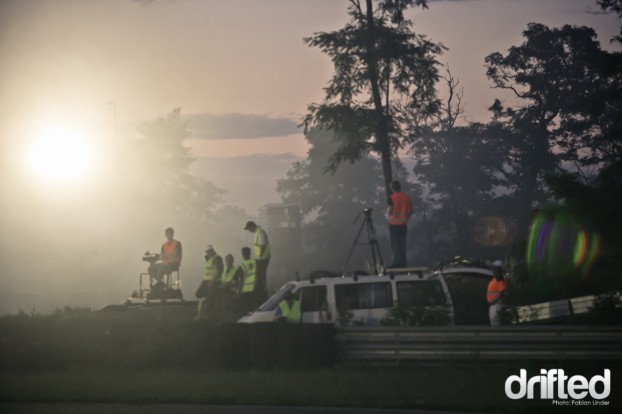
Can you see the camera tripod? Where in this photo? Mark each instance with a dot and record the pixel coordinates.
(372, 241)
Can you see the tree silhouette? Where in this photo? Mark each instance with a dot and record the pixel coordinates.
(159, 170)
(555, 76)
(330, 203)
(380, 66)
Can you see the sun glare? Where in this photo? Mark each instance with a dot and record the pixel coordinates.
(61, 155)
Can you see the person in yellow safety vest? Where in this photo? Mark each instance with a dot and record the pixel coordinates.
(262, 257)
(230, 275)
(230, 283)
(289, 309)
(207, 292)
(170, 260)
(248, 294)
(497, 290)
(400, 210)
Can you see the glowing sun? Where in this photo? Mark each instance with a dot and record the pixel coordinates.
(61, 155)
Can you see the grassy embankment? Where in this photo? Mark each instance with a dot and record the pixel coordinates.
(165, 357)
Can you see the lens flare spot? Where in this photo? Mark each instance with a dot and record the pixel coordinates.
(558, 244)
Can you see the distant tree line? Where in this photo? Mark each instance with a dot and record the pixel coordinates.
(555, 145)
(476, 186)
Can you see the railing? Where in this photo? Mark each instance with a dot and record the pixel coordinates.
(558, 309)
(396, 345)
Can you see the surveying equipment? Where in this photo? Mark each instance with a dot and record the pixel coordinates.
(169, 289)
(372, 241)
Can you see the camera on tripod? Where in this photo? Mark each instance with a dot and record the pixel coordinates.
(151, 258)
(367, 212)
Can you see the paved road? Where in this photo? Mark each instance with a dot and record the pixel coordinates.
(32, 408)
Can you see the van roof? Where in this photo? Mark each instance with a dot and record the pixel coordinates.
(325, 278)
(467, 269)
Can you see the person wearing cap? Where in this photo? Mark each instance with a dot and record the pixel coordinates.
(262, 258)
(208, 289)
(497, 289)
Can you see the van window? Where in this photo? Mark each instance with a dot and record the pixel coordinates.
(274, 301)
(363, 296)
(313, 298)
(421, 293)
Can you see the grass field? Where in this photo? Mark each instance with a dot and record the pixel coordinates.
(164, 357)
(456, 388)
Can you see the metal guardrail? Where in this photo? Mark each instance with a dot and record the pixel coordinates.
(556, 309)
(396, 345)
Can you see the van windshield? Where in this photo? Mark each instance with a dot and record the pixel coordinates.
(275, 299)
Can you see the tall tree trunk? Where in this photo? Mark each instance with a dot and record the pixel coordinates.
(382, 133)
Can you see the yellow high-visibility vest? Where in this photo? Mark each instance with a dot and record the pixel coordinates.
(266, 252)
(211, 271)
(228, 276)
(291, 314)
(250, 270)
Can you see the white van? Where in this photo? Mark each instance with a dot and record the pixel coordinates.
(358, 299)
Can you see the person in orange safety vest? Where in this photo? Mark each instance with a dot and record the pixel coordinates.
(400, 210)
(497, 289)
(170, 259)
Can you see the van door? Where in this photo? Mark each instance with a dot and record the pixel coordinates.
(427, 295)
(314, 305)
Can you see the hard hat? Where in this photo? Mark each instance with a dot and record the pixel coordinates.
(209, 247)
(497, 263)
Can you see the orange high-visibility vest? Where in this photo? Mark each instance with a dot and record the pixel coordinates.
(495, 288)
(168, 252)
(402, 208)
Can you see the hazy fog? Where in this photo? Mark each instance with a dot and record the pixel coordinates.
(243, 77)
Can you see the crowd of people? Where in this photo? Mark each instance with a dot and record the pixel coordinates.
(242, 288)
(239, 288)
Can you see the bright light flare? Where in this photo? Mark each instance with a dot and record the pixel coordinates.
(61, 155)
(559, 245)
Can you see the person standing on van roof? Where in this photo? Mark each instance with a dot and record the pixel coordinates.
(497, 289)
(289, 309)
(248, 295)
(207, 293)
(262, 258)
(400, 210)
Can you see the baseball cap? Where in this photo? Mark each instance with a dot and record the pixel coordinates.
(249, 224)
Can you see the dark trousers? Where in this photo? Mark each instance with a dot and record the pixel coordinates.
(159, 269)
(398, 244)
(261, 284)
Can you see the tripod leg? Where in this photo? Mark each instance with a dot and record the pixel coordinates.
(356, 240)
(375, 248)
